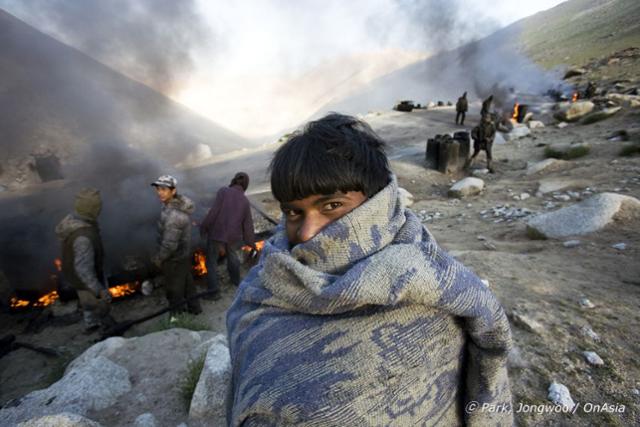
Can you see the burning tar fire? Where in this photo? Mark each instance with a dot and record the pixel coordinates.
(200, 263)
(118, 291)
(200, 258)
(259, 246)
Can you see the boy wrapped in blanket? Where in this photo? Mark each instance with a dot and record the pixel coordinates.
(354, 315)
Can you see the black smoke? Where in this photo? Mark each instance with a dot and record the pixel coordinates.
(109, 132)
(469, 53)
(151, 41)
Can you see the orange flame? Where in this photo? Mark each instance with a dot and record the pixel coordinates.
(516, 110)
(575, 96)
(46, 299)
(200, 266)
(124, 290)
(43, 301)
(259, 246)
(18, 303)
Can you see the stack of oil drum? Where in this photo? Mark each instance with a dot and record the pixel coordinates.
(448, 153)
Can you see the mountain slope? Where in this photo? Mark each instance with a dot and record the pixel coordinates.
(518, 56)
(578, 30)
(54, 95)
(107, 131)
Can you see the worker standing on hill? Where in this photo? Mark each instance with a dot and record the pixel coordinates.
(591, 90)
(486, 106)
(226, 227)
(83, 259)
(174, 245)
(483, 136)
(462, 106)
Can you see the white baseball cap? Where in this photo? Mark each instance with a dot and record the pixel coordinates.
(165, 181)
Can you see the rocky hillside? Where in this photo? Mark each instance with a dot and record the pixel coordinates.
(520, 56)
(577, 31)
(53, 97)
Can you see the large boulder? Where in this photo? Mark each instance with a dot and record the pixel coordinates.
(545, 165)
(158, 362)
(535, 124)
(64, 419)
(569, 112)
(519, 131)
(106, 348)
(597, 116)
(94, 385)
(466, 187)
(556, 184)
(574, 71)
(624, 99)
(566, 151)
(582, 218)
(145, 420)
(156, 365)
(208, 401)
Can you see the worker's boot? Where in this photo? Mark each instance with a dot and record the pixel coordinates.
(467, 163)
(491, 170)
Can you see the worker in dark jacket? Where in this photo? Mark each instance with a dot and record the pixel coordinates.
(591, 90)
(174, 238)
(462, 106)
(83, 258)
(226, 227)
(486, 106)
(483, 136)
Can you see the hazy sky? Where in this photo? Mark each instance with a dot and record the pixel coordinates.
(261, 47)
(259, 66)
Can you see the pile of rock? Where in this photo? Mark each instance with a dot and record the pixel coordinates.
(428, 216)
(559, 197)
(505, 213)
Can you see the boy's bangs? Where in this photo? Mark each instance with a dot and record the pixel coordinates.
(335, 153)
(298, 173)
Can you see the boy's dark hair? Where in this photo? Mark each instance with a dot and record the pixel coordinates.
(334, 153)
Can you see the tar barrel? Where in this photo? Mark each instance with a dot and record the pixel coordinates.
(522, 112)
(464, 139)
(448, 156)
(433, 151)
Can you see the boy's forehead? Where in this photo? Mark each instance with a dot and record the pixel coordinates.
(320, 198)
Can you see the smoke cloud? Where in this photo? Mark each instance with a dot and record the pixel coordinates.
(235, 62)
(251, 63)
(151, 41)
(108, 132)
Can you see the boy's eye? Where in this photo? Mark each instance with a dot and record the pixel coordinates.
(290, 212)
(333, 205)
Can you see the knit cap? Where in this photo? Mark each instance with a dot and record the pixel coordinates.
(88, 203)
